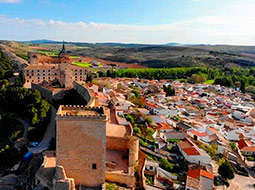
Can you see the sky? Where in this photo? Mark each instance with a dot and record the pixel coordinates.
(130, 21)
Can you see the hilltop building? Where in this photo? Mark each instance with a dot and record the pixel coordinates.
(57, 69)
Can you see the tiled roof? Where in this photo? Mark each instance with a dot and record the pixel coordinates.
(164, 126)
(191, 151)
(196, 173)
(244, 143)
(248, 149)
(199, 134)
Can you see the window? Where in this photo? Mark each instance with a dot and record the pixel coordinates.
(94, 166)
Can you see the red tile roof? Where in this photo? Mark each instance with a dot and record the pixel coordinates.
(248, 149)
(244, 143)
(164, 126)
(196, 173)
(199, 134)
(191, 151)
(150, 105)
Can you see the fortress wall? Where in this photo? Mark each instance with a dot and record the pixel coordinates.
(117, 143)
(46, 93)
(121, 178)
(84, 92)
(133, 146)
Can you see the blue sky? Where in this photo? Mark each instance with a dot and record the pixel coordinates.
(130, 21)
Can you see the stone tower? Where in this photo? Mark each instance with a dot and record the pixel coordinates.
(81, 144)
(33, 58)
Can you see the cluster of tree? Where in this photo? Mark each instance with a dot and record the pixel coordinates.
(169, 90)
(151, 73)
(225, 170)
(242, 78)
(25, 102)
(165, 164)
(198, 78)
(5, 66)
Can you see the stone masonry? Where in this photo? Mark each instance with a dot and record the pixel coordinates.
(81, 144)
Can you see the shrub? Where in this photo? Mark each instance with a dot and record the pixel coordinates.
(142, 143)
(226, 171)
(233, 146)
(137, 130)
(148, 120)
(165, 164)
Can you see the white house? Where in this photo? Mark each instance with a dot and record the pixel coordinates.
(192, 153)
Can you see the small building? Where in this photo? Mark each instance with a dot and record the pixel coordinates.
(199, 179)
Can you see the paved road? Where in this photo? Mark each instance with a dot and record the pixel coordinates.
(25, 124)
(243, 182)
(21, 63)
(233, 186)
(49, 134)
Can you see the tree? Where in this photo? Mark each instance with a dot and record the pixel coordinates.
(170, 91)
(129, 118)
(233, 146)
(136, 93)
(165, 164)
(148, 120)
(150, 132)
(250, 89)
(89, 77)
(137, 130)
(226, 171)
(243, 86)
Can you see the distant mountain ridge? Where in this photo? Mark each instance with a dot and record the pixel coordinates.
(111, 44)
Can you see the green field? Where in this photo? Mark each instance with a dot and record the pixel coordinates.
(75, 57)
(81, 64)
(209, 82)
(49, 53)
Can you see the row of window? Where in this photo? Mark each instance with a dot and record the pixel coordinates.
(38, 71)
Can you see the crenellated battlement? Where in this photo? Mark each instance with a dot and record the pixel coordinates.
(80, 112)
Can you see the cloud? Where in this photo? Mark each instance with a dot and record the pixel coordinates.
(9, 1)
(208, 29)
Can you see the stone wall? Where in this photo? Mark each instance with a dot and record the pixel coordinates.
(46, 93)
(130, 144)
(81, 145)
(84, 92)
(121, 178)
(61, 181)
(117, 143)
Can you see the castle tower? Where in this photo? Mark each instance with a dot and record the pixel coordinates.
(81, 144)
(33, 58)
